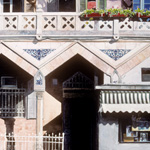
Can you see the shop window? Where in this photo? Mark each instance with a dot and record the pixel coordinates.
(146, 74)
(142, 4)
(135, 129)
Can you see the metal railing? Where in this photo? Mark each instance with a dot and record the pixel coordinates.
(31, 142)
(12, 103)
(64, 25)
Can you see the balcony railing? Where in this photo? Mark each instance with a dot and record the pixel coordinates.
(12, 103)
(68, 25)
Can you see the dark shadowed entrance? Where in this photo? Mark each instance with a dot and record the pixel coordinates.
(79, 113)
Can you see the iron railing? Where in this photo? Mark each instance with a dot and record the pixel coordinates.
(12, 103)
(32, 142)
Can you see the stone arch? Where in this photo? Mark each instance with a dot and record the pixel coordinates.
(135, 60)
(18, 60)
(77, 49)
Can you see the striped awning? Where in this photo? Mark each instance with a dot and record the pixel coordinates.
(125, 108)
(125, 101)
(125, 97)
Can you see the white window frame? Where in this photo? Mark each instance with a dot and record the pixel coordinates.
(86, 1)
(2, 3)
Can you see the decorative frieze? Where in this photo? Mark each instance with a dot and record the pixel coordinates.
(39, 53)
(115, 53)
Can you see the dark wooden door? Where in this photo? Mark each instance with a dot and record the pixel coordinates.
(80, 123)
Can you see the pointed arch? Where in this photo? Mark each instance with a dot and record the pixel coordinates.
(18, 60)
(77, 49)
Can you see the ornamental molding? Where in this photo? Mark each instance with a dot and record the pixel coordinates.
(39, 53)
(115, 54)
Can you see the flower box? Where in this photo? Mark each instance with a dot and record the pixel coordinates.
(94, 15)
(139, 15)
(118, 15)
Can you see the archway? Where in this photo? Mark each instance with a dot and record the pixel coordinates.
(79, 113)
(72, 85)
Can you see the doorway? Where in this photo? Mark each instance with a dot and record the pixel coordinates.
(79, 113)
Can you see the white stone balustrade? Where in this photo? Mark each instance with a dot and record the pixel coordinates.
(62, 25)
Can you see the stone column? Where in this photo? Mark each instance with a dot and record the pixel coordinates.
(39, 96)
(39, 121)
(39, 88)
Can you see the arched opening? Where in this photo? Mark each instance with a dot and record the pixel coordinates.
(72, 84)
(13, 102)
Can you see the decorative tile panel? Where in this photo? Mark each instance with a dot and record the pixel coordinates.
(115, 53)
(39, 53)
(10, 22)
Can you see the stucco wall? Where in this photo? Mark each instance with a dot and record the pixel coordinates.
(134, 75)
(108, 137)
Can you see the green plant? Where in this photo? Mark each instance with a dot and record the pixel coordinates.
(128, 12)
(138, 10)
(142, 12)
(116, 11)
(90, 11)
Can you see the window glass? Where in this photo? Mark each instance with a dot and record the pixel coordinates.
(17, 6)
(6, 5)
(82, 5)
(135, 129)
(143, 4)
(12, 5)
(147, 1)
(145, 74)
(67, 5)
(136, 1)
(61, 6)
(136, 4)
(147, 6)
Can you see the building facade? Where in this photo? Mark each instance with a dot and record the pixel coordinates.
(63, 74)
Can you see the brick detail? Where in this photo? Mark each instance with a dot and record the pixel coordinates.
(19, 126)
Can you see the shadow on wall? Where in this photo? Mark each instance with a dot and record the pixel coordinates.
(54, 87)
(54, 125)
(9, 122)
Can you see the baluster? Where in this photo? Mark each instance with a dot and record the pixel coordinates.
(55, 140)
(52, 140)
(2, 109)
(12, 103)
(59, 141)
(5, 103)
(49, 142)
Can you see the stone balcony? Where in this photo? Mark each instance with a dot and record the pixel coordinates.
(43, 25)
